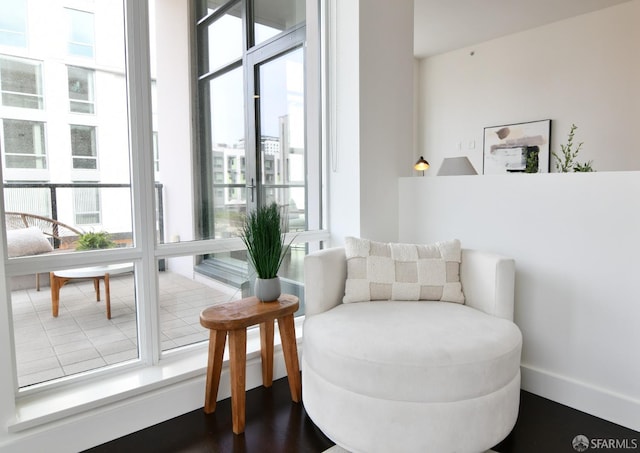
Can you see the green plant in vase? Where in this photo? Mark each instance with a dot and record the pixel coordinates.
(95, 240)
(263, 235)
(567, 162)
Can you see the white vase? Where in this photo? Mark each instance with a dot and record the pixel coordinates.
(267, 289)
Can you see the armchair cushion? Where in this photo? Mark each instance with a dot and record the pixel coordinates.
(27, 241)
(419, 352)
(391, 271)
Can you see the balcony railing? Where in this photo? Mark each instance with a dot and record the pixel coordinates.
(56, 201)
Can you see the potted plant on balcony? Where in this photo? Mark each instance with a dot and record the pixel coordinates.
(263, 235)
(95, 240)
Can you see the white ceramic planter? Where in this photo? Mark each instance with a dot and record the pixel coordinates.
(268, 289)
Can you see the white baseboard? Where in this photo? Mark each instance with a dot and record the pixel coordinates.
(599, 402)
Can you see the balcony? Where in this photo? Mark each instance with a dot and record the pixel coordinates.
(82, 339)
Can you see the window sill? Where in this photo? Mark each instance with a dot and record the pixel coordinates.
(48, 406)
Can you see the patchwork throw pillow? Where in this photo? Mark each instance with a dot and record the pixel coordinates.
(27, 241)
(381, 271)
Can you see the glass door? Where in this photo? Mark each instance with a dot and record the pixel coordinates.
(280, 145)
(252, 142)
(281, 137)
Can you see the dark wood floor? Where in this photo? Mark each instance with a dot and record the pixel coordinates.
(276, 425)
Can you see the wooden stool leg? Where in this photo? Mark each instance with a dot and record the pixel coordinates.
(290, 351)
(217, 339)
(55, 294)
(266, 352)
(238, 359)
(96, 286)
(107, 293)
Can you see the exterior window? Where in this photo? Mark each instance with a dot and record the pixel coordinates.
(83, 147)
(222, 39)
(49, 151)
(80, 41)
(81, 90)
(21, 83)
(13, 23)
(188, 190)
(24, 144)
(273, 18)
(86, 205)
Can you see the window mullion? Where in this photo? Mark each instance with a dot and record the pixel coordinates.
(142, 177)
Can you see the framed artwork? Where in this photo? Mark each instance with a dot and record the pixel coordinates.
(517, 148)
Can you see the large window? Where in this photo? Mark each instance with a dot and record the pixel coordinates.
(13, 23)
(24, 144)
(21, 83)
(42, 97)
(170, 196)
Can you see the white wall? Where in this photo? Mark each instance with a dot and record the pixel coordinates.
(343, 74)
(174, 118)
(575, 241)
(372, 93)
(386, 112)
(583, 70)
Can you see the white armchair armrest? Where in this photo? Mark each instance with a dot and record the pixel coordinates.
(325, 274)
(488, 282)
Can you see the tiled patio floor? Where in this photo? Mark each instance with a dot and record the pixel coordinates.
(81, 338)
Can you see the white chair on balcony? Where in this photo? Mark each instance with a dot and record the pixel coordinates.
(31, 234)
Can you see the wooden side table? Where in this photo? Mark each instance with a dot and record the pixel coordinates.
(60, 278)
(234, 318)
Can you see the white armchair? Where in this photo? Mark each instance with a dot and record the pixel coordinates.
(406, 376)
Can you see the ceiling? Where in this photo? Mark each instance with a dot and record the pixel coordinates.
(445, 25)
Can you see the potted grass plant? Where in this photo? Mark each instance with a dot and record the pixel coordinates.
(263, 235)
(95, 240)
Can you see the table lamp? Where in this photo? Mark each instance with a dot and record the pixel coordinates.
(421, 165)
(456, 166)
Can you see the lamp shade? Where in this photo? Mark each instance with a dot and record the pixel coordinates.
(421, 165)
(456, 166)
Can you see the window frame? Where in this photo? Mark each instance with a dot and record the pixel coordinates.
(91, 88)
(38, 93)
(142, 253)
(41, 156)
(72, 13)
(145, 253)
(22, 32)
(93, 144)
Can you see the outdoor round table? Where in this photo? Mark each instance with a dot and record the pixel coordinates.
(234, 317)
(59, 278)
